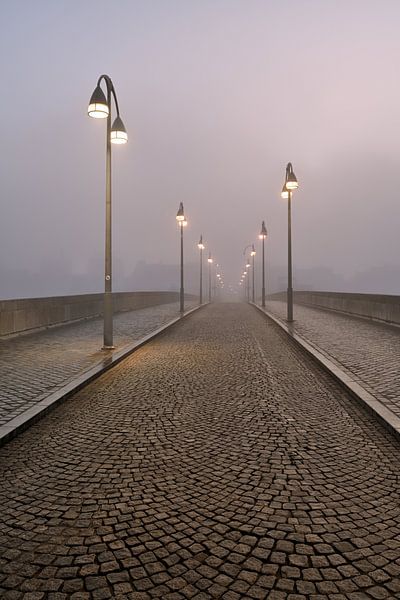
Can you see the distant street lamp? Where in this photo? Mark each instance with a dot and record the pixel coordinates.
(180, 217)
(248, 265)
(201, 247)
(252, 254)
(210, 262)
(288, 187)
(263, 236)
(100, 108)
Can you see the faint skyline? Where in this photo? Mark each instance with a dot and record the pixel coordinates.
(217, 96)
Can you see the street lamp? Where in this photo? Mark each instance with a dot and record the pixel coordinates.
(252, 254)
(180, 217)
(210, 262)
(248, 265)
(100, 108)
(201, 247)
(263, 237)
(290, 184)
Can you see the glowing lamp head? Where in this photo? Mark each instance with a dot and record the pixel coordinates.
(200, 245)
(264, 232)
(253, 253)
(118, 132)
(291, 180)
(210, 260)
(285, 193)
(180, 215)
(98, 107)
(292, 183)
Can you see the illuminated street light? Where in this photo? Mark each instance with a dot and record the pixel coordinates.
(201, 247)
(253, 254)
(291, 184)
(263, 237)
(180, 217)
(100, 108)
(210, 262)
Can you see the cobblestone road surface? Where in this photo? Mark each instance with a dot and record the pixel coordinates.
(37, 364)
(368, 350)
(215, 462)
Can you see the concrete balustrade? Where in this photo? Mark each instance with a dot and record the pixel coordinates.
(373, 306)
(17, 316)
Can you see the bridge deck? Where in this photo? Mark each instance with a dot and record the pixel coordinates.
(368, 350)
(34, 365)
(216, 462)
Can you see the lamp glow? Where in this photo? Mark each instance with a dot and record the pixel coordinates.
(98, 107)
(180, 215)
(118, 133)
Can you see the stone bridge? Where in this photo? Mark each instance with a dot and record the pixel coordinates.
(221, 454)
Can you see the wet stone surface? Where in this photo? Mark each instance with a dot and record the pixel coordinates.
(367, 350)
(216, 462)
(34, 365)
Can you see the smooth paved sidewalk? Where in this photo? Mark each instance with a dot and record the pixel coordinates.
(33, 366)
(216, 462)
(366, 349)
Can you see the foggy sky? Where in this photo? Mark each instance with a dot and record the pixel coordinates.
(217, 96)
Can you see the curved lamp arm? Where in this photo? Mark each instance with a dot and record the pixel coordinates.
(110, 89)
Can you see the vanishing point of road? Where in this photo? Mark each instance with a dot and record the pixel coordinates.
(216, 462)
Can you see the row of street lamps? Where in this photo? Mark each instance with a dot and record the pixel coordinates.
(100, 108)
(100, 105)
(289, 185)
(182, 222)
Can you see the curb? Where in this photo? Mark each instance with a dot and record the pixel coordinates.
(389, 420)
(19, 424)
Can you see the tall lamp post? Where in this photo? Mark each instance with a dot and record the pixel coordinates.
(100, 108)
(263, 237)
(180, 217)
(252, 254)
(248, 278)
(210, 262)
(201, 247)
(290, 184)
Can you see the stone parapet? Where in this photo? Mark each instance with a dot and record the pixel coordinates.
(17, 316)
(379, 307)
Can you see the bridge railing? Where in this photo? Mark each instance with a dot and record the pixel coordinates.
(17, 316)
(379, 307)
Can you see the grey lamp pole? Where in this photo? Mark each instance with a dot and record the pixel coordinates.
(248, 265)
(201, 247)
(252, 254)
(180, 217)
(210, 261)
(263, 236)
(100, 108)
(290, 184)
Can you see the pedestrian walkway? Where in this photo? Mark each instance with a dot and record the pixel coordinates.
(34, 365)
(366, 349)
(217, 462)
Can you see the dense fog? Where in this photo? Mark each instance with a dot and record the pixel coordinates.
(217, 96)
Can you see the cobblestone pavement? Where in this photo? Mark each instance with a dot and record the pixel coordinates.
(218, 461)
(34, 365)
(368, 350)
